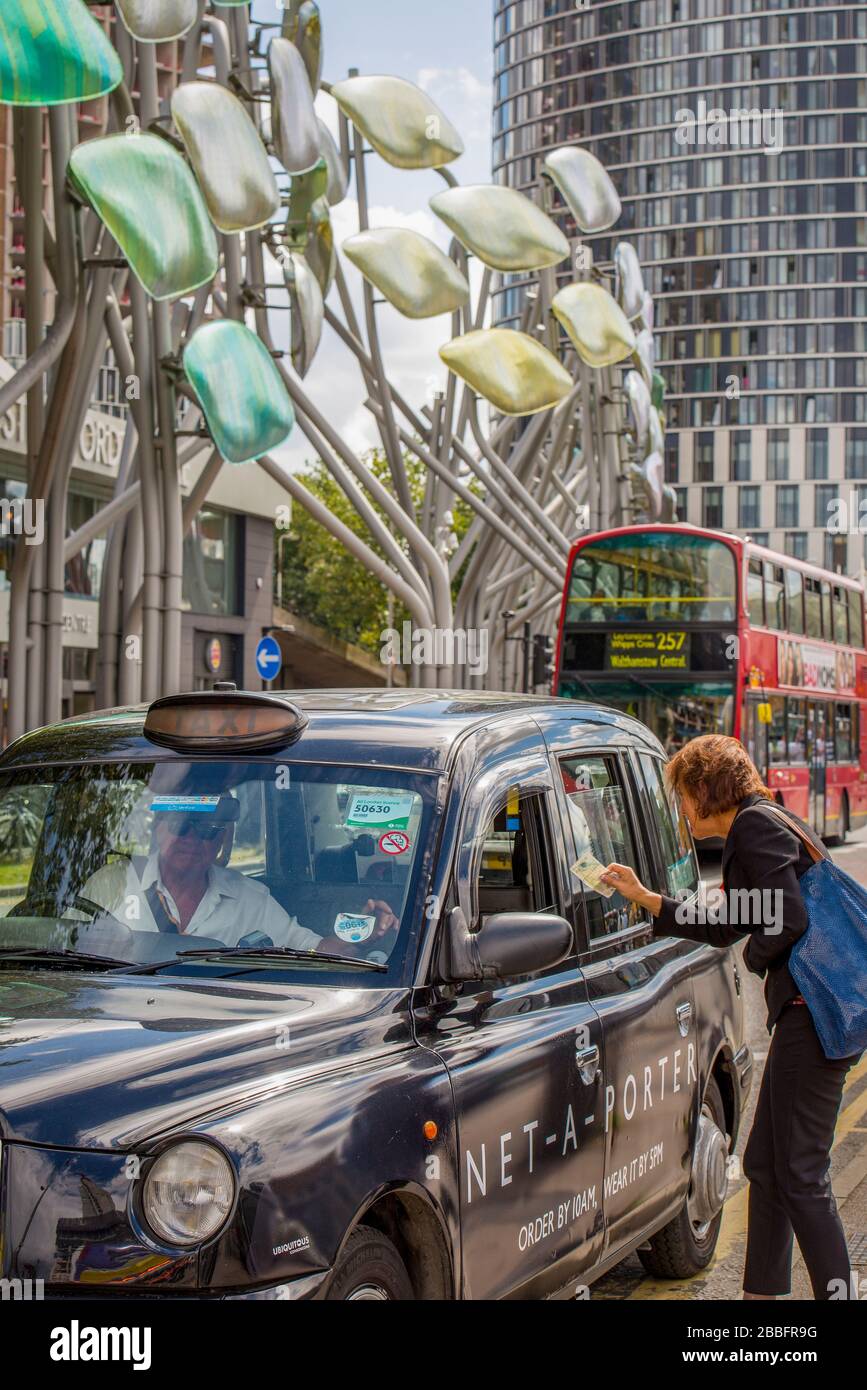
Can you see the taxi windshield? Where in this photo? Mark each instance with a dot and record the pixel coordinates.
(261, 864)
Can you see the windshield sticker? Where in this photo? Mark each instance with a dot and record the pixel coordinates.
(349, 926)
(387, 812)
(590, 871)
(394, 842)
(185, 803)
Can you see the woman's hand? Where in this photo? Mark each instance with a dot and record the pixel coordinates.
(627, 883)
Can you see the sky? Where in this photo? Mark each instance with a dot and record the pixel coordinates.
(446, 47)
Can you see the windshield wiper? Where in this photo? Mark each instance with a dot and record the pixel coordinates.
(281, 953)
(64, 957)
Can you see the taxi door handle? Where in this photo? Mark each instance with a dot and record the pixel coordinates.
(587, 1059)
(683, 1013)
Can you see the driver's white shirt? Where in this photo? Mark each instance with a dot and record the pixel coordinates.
(232, 906)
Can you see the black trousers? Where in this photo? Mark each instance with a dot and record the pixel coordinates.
(787, 1160)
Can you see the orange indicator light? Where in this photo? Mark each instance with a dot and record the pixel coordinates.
(430, 1129)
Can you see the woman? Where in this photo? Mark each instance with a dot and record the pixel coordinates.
(787, 1157)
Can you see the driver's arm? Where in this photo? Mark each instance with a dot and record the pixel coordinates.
(285, 930)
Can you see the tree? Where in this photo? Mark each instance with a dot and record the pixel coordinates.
(326, 585)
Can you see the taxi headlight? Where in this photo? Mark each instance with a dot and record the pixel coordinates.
(188, 1193)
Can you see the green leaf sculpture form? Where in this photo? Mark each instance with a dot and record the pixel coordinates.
(241, 392)
(157, 21)
(595, 322)
(53, 51)
(511, 370)
(413, 274)
(227, 155)
(401, 121)
(145, 193)
(501, 226)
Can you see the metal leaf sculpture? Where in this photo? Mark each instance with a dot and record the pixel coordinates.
(147, 197)
(501, 226)
(245, 404)
(586, 187)
(654, 472)
(227, 155)
(338, 179)
(307, 311)
(638, 397)
(157, 21)
(306, 190)
(645, 355)
(596, 324)
(511, 370)
(630, 281)
(400, 121)
(294, 127)
(413, 274)
(320, 250)
(303, 28)
(53, 51)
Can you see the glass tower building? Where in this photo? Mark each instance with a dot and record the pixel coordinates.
(736, 134)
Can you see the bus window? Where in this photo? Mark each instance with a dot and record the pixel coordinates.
(856, 619)
(827, 624)
(775, 598)
(843, 734)
(796, 720)
(840, 616)
(813, 606)
(795, 601)
(652, 577)
(755, 594)
(777, 730)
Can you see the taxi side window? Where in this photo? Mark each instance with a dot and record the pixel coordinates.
(602, 831)
(515, 872)
(681, 869)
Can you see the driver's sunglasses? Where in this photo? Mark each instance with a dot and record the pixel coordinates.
(181, 825)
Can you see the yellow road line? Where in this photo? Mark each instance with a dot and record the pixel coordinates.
(733, 1230)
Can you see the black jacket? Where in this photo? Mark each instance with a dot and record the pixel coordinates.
(759, 853)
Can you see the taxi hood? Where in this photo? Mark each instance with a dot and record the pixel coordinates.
(101, 1062)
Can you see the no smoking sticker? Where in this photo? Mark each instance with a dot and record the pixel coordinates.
(394, 842)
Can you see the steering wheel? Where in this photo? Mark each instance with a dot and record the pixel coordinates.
(33, 907)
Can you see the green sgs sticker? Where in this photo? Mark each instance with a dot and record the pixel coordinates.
(385, 812)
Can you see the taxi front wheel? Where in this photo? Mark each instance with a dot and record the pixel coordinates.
(686, 1245)
(370, 1270)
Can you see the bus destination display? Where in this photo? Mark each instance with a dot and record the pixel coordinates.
(647, 651)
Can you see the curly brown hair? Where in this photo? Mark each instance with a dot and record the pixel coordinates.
(716, 772)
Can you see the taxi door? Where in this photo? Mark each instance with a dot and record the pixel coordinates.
(523, 1054)
(641, 989)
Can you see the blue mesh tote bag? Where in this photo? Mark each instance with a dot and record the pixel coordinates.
(829, 962)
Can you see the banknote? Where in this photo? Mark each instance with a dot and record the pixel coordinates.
(588, 868)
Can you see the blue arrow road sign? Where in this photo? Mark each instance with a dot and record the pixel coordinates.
(269, 659)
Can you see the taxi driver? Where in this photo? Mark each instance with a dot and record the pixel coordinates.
(180, 888)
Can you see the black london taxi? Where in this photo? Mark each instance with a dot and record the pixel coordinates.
(302, 997)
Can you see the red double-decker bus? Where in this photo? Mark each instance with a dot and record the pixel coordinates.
(697, 632)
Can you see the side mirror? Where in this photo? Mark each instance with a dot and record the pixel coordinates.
(509, 944)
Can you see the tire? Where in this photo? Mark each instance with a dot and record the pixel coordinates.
(370, 1270)
(684, 1248)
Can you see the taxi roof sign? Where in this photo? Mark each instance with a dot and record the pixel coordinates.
(223, 721)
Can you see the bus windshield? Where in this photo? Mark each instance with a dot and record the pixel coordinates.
(653, 576)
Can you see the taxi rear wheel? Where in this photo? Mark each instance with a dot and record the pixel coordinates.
(685, 1246)
(370, 1270)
